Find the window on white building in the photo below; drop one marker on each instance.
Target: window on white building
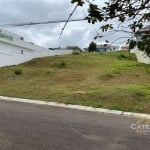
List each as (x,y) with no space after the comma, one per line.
(21,51)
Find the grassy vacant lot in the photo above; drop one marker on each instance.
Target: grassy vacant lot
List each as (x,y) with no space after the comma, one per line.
(110,80)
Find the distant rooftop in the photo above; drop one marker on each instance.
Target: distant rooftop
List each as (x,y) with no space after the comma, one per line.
(9,33)
(103,43)
(145,30)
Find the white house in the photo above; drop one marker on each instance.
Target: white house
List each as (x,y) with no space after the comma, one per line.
(141,55)
(106,47)
(14,50)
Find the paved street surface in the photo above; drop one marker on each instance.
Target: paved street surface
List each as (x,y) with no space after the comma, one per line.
(35,127)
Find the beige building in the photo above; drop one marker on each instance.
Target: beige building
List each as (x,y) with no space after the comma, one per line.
(125,48)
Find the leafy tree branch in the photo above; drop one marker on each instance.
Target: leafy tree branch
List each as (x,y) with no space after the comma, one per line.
(135,12)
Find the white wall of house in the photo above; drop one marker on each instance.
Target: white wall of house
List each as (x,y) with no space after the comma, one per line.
(142,57)
(107,47)
(15,51)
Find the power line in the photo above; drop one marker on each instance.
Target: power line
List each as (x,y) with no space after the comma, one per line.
(68,20)
(48,22)
(42,22)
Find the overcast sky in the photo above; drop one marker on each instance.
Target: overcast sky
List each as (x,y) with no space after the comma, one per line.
(76,33)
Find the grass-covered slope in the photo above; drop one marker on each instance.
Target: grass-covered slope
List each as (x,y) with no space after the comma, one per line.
(110,80)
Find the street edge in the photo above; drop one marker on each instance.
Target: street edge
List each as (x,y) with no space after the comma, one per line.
(78,107)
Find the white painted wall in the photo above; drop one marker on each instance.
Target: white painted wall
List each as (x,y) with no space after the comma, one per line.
(142,57)
(16,51)
(12,55)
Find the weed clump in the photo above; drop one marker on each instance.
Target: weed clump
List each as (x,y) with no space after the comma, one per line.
(60,65)
(75,53)
(125,56)
(122,56)
(18,71)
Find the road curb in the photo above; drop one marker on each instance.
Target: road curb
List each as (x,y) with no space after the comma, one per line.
(84,108)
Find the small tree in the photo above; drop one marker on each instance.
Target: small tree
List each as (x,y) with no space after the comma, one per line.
(92,47)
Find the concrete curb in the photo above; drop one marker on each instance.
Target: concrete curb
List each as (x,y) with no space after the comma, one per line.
(84,108)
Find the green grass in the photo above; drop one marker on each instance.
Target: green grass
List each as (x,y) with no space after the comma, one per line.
(107,80)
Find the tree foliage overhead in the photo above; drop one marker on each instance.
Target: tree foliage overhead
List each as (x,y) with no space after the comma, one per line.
(122,10)
(135,12)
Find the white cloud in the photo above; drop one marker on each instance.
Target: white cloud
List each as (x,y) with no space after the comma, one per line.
(76,33)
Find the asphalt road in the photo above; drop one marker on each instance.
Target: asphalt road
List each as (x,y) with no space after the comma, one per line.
(35,127)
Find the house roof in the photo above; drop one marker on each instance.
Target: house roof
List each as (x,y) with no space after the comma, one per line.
(145,30)
(3,31)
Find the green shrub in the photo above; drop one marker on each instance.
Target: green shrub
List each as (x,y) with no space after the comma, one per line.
(60,64)
(121,56)
(75,53)
(18,71)
(107,76)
